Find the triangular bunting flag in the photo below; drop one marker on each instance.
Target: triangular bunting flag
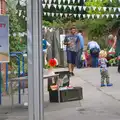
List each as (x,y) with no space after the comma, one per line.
(64,1)
(99,8)
(53,14)
(114,9)
(110,8)
(74,7)
(48,14)
(107,15)
(59,6)
(50,1)
(88,16)
(94,8)
(45,1)
(49,5)
(112,15)
(84,16)
(67,1)
(43,5)
(80,8)
(65,14)
(111,1)
(93,16)
(117,15)
(70,6)
(103,15)
(59,1)
(57,14)
(65,6)
(61,14)
(55,6)
(74,15)
(119,9)
(98,16)
(73,1)
(104,8)
(79,15)
(84,8)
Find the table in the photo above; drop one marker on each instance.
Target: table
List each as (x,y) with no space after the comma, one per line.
(19,79)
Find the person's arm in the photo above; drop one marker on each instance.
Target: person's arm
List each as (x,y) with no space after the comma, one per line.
(115,40)
(48,44)
(66,42)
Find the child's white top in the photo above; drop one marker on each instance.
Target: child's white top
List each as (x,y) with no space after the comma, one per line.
(103,63)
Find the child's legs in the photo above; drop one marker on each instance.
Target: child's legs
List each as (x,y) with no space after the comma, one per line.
(102,77)
(107,77)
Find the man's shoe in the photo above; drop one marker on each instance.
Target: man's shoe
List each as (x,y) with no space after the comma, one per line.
(102,85)
(72,74)
(109,85)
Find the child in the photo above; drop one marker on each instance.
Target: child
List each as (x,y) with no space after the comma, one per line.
(45,47)
(84,61)
(104,70)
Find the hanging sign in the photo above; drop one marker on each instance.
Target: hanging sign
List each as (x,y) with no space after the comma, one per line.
(4,39)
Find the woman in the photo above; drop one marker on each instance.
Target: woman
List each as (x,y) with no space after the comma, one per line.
(118,49)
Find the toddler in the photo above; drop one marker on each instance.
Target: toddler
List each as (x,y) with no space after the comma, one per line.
(104,70)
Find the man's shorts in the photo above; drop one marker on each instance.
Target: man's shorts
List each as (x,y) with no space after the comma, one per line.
(71,57)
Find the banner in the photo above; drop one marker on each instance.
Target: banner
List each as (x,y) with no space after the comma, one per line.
(4,39)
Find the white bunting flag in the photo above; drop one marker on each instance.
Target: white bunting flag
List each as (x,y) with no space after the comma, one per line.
(104,8)
(84,16)
(64,1)
(111,1)
(79,15)
(103,15)
(20,12)
(117,15)
(80,8)
(53,14)
(74,7)
(88,16)
(119,9)
(75,15)
(59,6)
(98,16)
(93,16)
(73,1)
(110,8)
(84,8)
(49,5)
(59,1)
(48,14)
(99,8)
(45,1)
(57,14)
(66,14)
(55,6)
(65,6)
(112,15)
(61,14)
(43,5)
(70,6)
(107,15)
(50,1)
(94,8)
(67,1)
(114,9)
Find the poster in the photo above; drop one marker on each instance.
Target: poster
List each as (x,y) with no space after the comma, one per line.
(62,38)
(4,39)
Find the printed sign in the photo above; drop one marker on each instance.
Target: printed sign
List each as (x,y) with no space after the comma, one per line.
(4,39)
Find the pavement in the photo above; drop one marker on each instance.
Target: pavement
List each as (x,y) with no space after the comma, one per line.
(98,103)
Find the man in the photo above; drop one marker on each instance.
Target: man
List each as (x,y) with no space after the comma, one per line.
(72,43)
(80,51)
(94,52)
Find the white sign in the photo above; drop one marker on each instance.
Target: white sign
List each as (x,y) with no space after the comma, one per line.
(62,38)
(4,39)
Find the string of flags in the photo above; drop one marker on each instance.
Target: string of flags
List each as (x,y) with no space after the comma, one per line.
(74,7)
(73,1)
(81,15)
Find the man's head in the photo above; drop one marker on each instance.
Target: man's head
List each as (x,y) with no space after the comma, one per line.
(73,30)
(80,31)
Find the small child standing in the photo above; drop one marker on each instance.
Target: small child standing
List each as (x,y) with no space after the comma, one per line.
(104,70)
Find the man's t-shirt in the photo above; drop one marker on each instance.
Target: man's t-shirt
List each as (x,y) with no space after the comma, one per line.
(74,46)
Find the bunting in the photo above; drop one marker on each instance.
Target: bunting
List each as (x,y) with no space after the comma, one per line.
(72,1)
(89,16)
(80,8)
